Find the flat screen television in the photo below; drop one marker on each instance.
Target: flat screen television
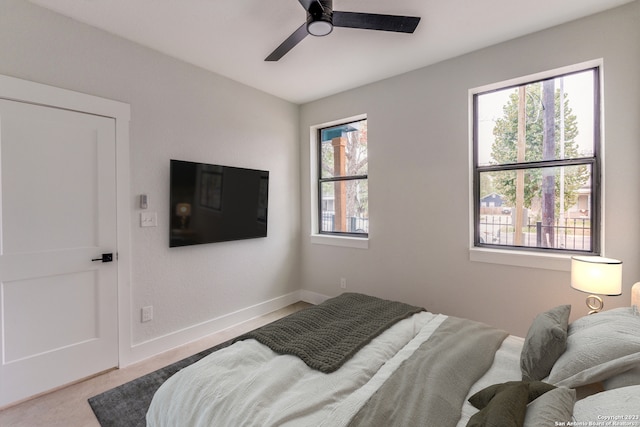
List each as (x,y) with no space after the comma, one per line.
(214,203)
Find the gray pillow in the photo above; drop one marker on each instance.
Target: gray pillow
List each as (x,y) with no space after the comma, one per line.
(506,409)
(535,389)
(545,342)
(599,347)
(505,404)
(552,408)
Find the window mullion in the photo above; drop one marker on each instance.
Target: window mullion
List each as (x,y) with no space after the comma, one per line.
(343,178)
(537,165)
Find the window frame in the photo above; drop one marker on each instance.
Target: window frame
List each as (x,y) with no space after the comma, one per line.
(314,237)
(320,180)
(539,256)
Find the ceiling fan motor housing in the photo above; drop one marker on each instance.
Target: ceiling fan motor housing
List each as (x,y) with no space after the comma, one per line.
(320,18)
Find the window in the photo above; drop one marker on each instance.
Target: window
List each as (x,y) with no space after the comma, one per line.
(536,165)
(343,196)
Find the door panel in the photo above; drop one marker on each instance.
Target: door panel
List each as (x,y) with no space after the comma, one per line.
(41,188)
(30,304)
(58,308)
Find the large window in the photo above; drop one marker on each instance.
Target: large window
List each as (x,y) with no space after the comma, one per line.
(343,195)
(536,165)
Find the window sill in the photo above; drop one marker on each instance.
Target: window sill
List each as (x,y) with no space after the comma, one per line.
(343,241)
(558,262)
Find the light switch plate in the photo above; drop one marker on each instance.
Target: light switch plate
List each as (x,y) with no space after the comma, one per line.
(148,219)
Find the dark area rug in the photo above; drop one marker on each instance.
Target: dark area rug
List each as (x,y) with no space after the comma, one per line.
(126,405)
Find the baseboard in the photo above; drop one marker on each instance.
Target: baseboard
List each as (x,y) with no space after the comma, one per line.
(147,349)
(312,297)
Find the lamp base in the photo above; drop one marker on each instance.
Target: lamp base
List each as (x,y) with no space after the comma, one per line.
(595,303)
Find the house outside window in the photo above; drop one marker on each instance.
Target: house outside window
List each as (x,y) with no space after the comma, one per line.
(343,195)
(536,165)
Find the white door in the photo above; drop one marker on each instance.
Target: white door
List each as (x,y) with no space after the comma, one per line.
(58,308)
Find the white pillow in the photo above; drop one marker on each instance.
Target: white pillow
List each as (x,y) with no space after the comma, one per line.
(599,346)
(601,407)
(627,378)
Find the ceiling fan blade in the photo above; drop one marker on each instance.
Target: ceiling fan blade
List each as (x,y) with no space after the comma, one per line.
(289,43)
(307,4)
(374,21)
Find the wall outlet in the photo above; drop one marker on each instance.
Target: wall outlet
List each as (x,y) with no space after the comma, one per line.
(147,313)
(343,283)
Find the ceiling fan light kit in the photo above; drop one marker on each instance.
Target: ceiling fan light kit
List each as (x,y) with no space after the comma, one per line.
(321,19)
(319,28)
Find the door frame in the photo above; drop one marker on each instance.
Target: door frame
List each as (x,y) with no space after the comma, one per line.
(15,89)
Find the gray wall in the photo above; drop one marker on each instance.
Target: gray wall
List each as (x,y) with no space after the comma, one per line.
(177,111)
(419,178)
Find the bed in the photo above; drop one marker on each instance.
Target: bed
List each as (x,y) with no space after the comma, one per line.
(357,360)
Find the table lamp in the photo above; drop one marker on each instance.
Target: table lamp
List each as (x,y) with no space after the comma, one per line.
(596,276)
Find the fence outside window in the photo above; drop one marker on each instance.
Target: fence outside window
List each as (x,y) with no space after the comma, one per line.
(354,224)
(569,234)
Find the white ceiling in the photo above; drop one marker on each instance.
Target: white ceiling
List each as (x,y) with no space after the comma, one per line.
(232,37)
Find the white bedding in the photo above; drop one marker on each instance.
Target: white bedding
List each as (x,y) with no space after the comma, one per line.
(247,384)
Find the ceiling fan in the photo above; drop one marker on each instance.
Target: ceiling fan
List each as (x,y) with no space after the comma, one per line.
(321,18)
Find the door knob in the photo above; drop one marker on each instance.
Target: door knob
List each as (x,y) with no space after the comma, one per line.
(104,258)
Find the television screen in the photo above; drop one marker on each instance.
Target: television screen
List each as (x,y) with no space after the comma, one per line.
(214,203)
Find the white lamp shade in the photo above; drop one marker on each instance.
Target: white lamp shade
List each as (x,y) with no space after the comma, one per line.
(596,275)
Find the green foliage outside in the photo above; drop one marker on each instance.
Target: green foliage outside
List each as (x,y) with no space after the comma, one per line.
(504,150)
